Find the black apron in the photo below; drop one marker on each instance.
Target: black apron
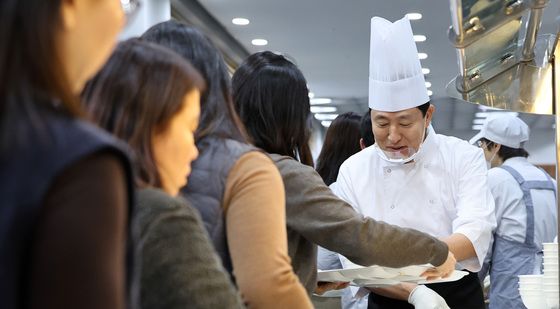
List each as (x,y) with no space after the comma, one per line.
(462,294)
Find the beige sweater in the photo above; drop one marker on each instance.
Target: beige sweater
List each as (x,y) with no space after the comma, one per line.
(254,206)
(315,216)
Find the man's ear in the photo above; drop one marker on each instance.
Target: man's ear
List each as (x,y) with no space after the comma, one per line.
(362,144)
(430,113)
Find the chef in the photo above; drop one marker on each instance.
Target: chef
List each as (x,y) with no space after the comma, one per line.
(416,178)
(525,199)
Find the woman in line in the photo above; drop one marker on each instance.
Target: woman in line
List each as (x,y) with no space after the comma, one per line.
(149,97)
(270,95)
(65,185)
(341,141)
(236,188)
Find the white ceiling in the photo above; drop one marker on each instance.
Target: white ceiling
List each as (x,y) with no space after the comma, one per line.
(329,41)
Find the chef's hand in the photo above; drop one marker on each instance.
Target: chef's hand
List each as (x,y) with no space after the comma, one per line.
(323,287)
(442,271)
(425,298)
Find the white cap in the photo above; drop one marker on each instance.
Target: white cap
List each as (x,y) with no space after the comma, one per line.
(506,130)
(396,81)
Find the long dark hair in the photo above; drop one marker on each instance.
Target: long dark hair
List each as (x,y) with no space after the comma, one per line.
(217,115)
(32,73)
(271,96)
(136,93)
(341,141)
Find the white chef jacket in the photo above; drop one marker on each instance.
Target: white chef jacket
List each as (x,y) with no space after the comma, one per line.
(511,214)
(442,192)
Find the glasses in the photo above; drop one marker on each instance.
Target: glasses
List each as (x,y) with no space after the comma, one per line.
(130,8)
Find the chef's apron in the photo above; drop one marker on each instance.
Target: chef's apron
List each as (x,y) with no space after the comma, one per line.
(462,294)
(512,258)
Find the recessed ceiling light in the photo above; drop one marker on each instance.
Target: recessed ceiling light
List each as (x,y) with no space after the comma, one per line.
(320,101)
(479,121)
(477,127)
(240,21)
(326,123)
(414,16)
(428,84)
(419,38)
(422,56)
(311,95)
(259,42)
(325,116)
(430,92)
(425,71)
(323,109)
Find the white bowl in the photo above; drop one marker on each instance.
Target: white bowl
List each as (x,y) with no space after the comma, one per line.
(552,300)
(530,278)
(533,301)
(550,286)
(550,280)
(531,288)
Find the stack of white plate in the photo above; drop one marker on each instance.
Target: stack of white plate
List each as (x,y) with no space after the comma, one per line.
(531,291)
(550,277)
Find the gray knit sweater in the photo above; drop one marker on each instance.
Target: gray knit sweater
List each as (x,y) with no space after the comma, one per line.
(315,216)
(180,268)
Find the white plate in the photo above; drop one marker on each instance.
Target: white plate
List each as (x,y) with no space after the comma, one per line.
(370,272)
(331,293)
(456,275)
(374,282)
(332,276)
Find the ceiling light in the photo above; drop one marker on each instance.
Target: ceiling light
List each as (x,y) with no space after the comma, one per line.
(430,92)
(419,38)
(428,84)
(479,121)
(259,42)
(325,116)
(311,95)
(326,123)
(477,127)
(422,56)
(323,109)
(320,101)
(414,16)
(240,21)
(425,71)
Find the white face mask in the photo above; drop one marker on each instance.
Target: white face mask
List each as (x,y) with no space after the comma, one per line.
(403,156)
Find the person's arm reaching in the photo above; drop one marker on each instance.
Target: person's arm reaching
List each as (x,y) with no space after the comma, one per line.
(256,232)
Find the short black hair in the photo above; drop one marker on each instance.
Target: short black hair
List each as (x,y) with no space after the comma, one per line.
(366,131)
(506,152)
(424,108)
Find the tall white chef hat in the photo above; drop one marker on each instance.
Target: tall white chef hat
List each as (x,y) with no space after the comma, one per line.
(507,130)
(396,81)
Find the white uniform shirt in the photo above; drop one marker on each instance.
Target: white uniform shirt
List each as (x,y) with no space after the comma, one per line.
(511,213)
(444,191)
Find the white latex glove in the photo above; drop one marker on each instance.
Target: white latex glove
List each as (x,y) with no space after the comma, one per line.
(425,298)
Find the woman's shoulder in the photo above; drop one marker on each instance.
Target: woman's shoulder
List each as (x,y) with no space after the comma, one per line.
(155,205)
